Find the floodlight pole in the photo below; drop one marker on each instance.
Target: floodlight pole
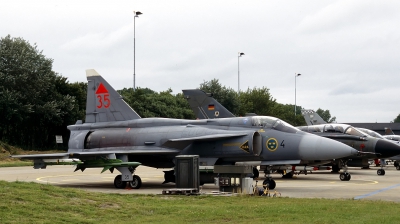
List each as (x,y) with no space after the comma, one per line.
(136,14)
(239,55)
(295,77)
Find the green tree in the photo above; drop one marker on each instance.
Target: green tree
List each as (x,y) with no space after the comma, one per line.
(256,100)
(286,113)
(397,119)
(148,103)
(32,105)
(326,115)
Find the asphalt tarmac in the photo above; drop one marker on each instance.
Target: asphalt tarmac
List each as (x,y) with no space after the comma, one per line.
(365,184)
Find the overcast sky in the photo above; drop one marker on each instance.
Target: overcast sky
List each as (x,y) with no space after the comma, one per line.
(347,52)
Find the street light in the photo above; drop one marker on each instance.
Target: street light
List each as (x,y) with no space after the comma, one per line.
(295,77)
(240,55)
(136,13)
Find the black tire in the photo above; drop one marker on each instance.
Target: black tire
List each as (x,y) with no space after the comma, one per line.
(380,172)
(269,183)
(396,164)
(272,184)
(397,167)
(136,183)
(118,183)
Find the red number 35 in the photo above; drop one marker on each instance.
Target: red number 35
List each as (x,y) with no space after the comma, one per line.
(104,100)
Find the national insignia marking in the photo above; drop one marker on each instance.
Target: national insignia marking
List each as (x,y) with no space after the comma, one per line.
(272,144)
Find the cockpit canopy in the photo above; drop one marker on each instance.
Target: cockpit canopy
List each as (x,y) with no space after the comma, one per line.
(333,128)
(273,123)
(371,133)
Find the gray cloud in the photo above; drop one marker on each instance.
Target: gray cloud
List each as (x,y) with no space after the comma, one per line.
(346,51)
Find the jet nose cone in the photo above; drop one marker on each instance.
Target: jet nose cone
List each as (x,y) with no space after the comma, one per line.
(314,147)
(386,148)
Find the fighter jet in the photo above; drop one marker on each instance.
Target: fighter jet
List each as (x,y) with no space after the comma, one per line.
(206,107)
(389,134)
(369,141)
(115,136)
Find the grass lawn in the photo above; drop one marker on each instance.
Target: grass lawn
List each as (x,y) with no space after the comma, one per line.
(23,202)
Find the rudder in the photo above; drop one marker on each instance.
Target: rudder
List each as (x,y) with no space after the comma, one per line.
(204,105)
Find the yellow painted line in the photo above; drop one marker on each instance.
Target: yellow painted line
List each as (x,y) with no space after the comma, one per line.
(373,182)
(40,179)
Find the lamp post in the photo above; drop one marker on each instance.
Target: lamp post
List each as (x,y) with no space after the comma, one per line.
(136,13)
(295,77)
(240,55)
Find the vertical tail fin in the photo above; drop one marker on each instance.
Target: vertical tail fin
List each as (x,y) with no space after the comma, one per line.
(103,103)
(312,118)
(204,105)
(389,131)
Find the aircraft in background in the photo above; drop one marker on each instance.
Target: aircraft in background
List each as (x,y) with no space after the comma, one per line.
(385,152)
(205,106)
(389,134)
(115,136)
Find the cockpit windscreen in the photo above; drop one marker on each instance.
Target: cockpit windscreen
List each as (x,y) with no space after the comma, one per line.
(273,123)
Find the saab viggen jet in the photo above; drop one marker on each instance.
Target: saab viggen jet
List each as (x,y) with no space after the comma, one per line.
(206,107)
(115,136)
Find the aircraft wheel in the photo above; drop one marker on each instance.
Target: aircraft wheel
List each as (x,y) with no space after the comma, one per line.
(118,183)
(397,167)
(136,183)
(269,183)
(343,177)
(256,173)
(396,164)
(380,172)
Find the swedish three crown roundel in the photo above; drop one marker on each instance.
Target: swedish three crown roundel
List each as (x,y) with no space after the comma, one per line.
(272,144)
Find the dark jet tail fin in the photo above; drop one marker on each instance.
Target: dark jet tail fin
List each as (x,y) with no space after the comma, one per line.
(389,131)
(103,103)
(312,118)
(204,105)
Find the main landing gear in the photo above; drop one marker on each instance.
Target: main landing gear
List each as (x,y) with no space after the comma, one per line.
(345,176)
(121,183)
(268,182)
(381,171)
(136,183)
